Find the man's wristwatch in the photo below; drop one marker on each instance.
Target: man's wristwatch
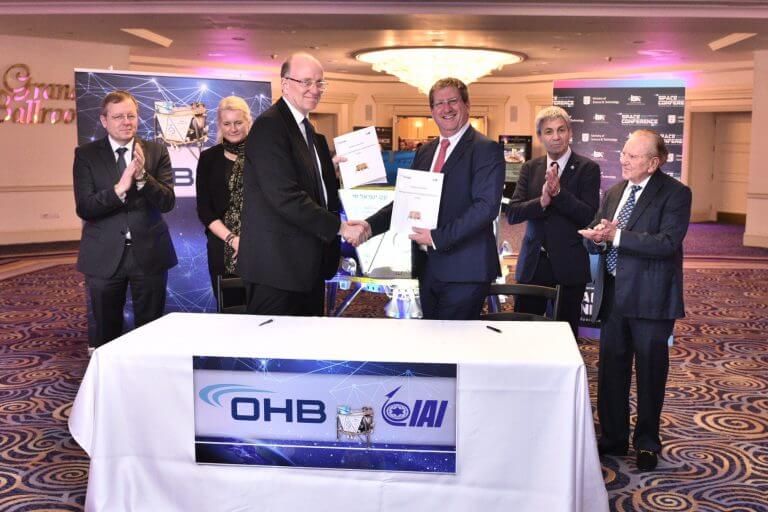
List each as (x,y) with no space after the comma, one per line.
(143,176)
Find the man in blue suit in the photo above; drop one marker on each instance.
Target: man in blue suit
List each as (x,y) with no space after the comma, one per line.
(455,262)
(638,233)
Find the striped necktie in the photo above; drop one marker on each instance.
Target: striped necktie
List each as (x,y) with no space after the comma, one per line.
(623,218)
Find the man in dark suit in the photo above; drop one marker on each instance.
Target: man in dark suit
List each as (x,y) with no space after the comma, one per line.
(122,186)
(557,194)
(638,233)
(289,243)
(455,262)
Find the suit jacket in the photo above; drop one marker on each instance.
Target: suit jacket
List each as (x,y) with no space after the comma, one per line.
(472,186)
(649,270)
(555,228)
(288,240)
(107,218)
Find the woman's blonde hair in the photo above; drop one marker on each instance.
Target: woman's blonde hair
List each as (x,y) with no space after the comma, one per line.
(232,103)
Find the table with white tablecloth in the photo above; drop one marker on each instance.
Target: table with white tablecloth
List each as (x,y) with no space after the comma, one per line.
(525,437)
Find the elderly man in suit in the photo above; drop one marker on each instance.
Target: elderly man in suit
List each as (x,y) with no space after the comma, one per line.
(638,233)
(122,186)
(289,242)
(557,194)
(455,262)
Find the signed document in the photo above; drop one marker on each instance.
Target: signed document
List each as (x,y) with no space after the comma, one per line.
(417,200)
(386,256)
(364,163)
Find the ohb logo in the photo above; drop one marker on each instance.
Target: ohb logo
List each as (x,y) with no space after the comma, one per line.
(422,413)
(245,408)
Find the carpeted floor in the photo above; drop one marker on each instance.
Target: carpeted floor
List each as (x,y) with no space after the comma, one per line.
(715,425)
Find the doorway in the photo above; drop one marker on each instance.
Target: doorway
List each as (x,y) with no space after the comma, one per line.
(719,165)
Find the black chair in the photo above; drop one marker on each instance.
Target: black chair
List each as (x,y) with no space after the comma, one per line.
(552,294)
(230,295)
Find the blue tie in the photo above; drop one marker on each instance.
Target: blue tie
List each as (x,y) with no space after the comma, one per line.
(623,218)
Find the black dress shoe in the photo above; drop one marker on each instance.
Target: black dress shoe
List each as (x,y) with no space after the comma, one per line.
(647,460)
(609,450)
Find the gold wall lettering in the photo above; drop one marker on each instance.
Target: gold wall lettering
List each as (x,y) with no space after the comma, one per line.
(22,99)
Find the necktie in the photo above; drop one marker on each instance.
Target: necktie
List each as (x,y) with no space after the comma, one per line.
(555,168)
(441,155)
(121,165)
(623,218)
(311,145)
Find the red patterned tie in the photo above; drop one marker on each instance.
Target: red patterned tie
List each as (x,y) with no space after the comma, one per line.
(441,155)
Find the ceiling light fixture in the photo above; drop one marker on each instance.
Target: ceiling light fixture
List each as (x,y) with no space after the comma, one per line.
(148,35)
(736,37)
(422,66)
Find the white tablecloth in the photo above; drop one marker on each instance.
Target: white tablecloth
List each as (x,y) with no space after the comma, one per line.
(526,441)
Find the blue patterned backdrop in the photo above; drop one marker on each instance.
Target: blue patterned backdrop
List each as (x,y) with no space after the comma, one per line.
(189,286)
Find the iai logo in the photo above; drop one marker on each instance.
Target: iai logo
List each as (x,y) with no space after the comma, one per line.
(599,118)
(584,137)
(671,119)
(420,413)
(587,100)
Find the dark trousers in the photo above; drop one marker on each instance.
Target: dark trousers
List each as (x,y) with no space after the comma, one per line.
(623,339)
(262,299)
(571,296)
(108,296)
(451,301)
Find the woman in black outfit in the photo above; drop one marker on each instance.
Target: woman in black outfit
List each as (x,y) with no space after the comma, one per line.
(220,187)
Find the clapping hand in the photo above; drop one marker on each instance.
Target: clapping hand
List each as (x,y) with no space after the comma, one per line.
(137,162)
(552,181)
(603,232)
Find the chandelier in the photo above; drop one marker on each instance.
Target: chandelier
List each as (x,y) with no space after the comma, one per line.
(422,66)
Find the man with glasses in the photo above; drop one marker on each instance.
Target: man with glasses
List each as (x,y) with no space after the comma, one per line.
(638,233)
(122,186)
(289,243)
(455,262)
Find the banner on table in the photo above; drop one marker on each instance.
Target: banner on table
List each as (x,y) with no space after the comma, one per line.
(325,414)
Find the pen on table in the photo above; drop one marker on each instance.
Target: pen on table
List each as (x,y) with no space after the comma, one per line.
(494,329)
(265,322)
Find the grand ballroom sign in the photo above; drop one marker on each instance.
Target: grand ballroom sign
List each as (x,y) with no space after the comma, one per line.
(25,101)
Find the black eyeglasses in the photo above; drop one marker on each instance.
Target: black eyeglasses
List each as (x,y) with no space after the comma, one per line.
(308,83)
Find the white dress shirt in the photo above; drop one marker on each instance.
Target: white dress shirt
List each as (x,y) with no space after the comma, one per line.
(128,157)
(624,196)
(454,139)
(561,162)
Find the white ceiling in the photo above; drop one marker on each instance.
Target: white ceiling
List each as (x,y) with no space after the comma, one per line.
(559,38)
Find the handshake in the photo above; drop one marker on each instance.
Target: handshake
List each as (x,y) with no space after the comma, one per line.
(355,232)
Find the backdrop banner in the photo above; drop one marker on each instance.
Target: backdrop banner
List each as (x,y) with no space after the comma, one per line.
(180,112)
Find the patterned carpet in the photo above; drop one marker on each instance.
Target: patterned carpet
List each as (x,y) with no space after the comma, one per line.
(715,424)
